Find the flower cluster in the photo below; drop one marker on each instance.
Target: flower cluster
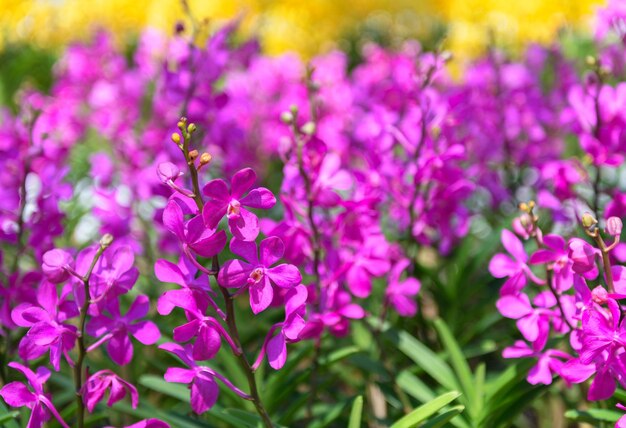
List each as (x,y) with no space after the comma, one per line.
(366,173)
(79,296)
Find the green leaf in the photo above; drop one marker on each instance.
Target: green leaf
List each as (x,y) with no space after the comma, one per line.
(423,412)
(479,390)
(413,386)
(9,416)
(461,367)
(594,416)
(356,413)
(445,417)
(157,383)
(338,355)
(326,414)
(423,357)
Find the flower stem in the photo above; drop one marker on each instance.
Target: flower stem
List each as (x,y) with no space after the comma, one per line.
(82,349)
(231,321)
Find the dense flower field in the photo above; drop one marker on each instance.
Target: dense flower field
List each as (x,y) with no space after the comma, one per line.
(197,234)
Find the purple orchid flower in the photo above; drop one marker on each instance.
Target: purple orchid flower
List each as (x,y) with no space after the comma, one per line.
(290,329)
(16,394)
(193,234)
(184,274)
(168,173)
(207,330)
(243,224)
(370,261)
(337,311)
(204,388)
(515,269)
(116,329)
(56,265)
(98,383)
(401,293)
(18,289)
(148,423)
(549,362)
(112,276)
(555,254)
(256,274)
(602,332)
(533,323)
(583,257)
(48,331)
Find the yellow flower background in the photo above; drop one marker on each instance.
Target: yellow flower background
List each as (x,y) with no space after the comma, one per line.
(308,27)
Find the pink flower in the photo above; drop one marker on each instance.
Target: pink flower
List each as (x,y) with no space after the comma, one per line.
(290,329)
(256,274)
(99,382)
(583,257)
(549,362)
(54,265)
(116,329)
(401,294)
(168,173)
(114,274)
(243,224)
(533,323)
(207,330)
(48,331)
(515,269)
(555,254)
(193,234)
(184,274)
(337,311)
(371,260)
(17,394)
(204,389)
(602,332)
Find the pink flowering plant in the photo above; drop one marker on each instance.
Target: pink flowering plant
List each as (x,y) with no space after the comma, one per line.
(196,234)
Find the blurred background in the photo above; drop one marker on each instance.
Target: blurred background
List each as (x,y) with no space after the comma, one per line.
(33,31)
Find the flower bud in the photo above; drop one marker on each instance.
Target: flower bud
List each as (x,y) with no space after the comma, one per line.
(582,255)
(176,137)
(588,220)
(614,226)
(54,262)
(106,240)
(167,171)
(308,128)
(193,155)
(286,117)
(192,128)
(205,158)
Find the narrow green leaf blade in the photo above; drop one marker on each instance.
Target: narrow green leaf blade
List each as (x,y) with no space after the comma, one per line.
(444,418)
(423,412)
(594,416)
(426,359)
(461,367)
(356,413)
